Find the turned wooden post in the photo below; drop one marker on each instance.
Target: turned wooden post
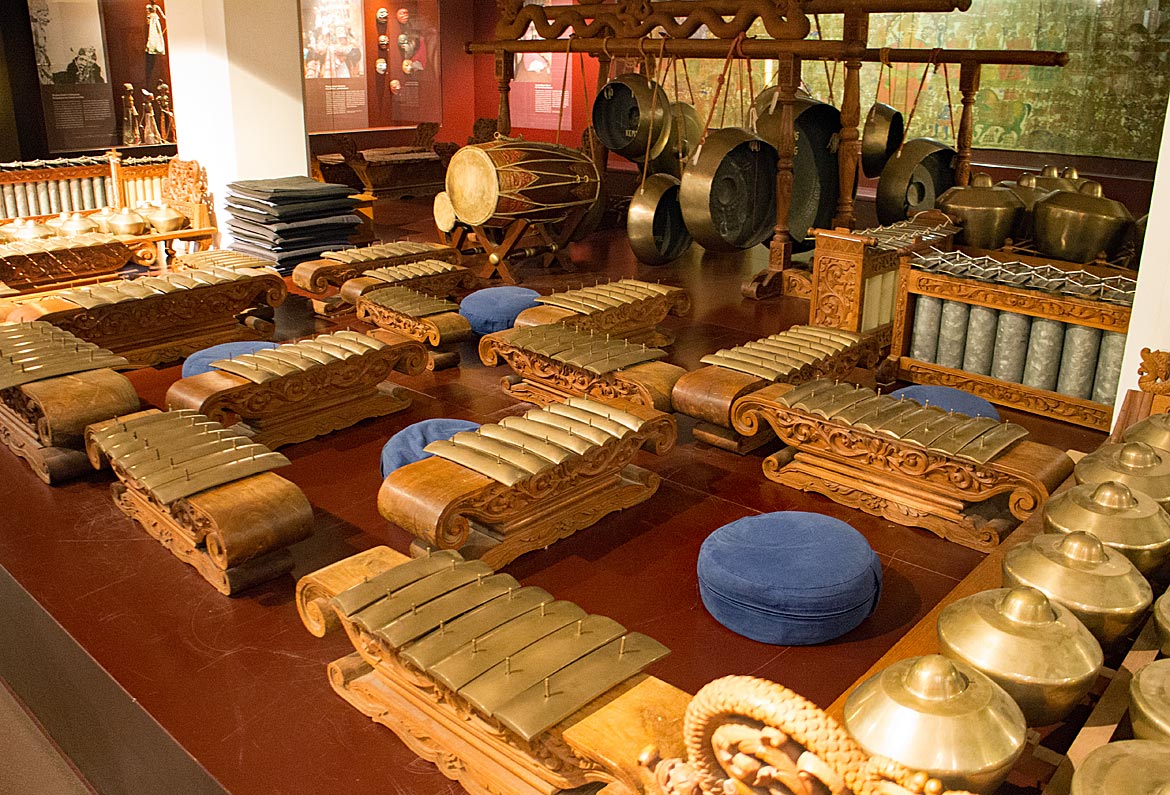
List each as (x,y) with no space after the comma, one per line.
(505,71)
(788,73)
(855,31)
(969,73)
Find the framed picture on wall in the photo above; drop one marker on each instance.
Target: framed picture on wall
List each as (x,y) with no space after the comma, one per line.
(370,64)
(76,93)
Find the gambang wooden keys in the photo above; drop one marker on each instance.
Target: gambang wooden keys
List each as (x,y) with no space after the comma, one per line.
(801,353)
(52,385)
(501,681)
(966,479)
(433,321)
(627,308)
(335,268)
(510,488)
(304,389)
(555,362)
(205,492)
(158,319)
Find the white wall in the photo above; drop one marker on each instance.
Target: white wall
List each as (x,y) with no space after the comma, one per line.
(236,83)
(1149,326)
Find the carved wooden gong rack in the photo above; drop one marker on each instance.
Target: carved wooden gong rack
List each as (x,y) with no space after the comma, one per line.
(622,28)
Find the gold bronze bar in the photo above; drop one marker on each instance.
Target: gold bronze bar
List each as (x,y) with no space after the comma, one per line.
(437,612)
(631,421)
(768,373)
(956,437)
(486,651)
(589,433)
(411,597)
(550,434)
(485,464)
(536,445)
(527,667)
(990,444)
(376,588)
(614,429)
(427,652)
(509,453)
(875,421)
(542,706)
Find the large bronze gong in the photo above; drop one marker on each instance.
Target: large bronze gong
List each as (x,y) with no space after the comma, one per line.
(728,195)
(685,131)
(914,178)
(632,117)
(815,185)
(655,223)
(497,182)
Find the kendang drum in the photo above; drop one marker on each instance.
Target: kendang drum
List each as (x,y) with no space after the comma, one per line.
(500,181)
(728,193)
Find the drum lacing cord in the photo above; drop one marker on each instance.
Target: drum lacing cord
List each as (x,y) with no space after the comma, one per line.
(735,45)
(564,85)
(655,87)
(830,77)
(931,61)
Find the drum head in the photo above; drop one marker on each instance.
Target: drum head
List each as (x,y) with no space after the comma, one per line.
(444,213)
(472,185)
(658,234)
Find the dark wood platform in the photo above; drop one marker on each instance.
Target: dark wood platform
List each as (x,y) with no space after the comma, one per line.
(153,682)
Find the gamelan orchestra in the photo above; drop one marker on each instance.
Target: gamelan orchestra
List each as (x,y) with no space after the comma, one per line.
(916,373)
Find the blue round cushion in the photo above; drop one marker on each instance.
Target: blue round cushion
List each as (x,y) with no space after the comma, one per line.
(948,399)
(790,578)
(200,361)
(496,308)
(406,446)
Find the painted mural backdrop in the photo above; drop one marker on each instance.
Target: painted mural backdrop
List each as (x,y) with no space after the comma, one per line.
(1109,101)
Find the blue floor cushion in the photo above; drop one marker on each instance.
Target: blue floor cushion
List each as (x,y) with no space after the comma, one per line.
(789,578)
(406,446)
(948,399)
(496,308)
(200,361)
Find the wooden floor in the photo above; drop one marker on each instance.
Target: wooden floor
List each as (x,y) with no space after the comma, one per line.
(241,686)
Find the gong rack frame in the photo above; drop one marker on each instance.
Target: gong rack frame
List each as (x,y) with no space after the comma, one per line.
(623,28)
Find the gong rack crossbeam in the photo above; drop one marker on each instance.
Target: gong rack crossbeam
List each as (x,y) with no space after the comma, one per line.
(608,30)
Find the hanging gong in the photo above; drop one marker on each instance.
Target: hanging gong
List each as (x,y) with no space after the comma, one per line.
(882,135)
(632,117)
(654,222)
(728,195)
(913,179)
(685,131)
(815,185)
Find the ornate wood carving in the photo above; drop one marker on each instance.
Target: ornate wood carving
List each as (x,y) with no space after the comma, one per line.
(750,735)
(1154,372)
(319,275)
(1005,393)
(543,380)
(40,270)
(445,504)
(1095,314)
(309,403)
(43,422)
(906,483)
(641,18)
(169,326)
(636,321)
(442,332)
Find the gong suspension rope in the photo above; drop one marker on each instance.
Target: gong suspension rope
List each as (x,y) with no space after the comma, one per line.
(950,103)
(564,84)
(655,87)
(830,76)
(931,61)
(718,90)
